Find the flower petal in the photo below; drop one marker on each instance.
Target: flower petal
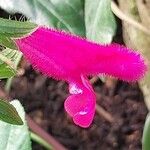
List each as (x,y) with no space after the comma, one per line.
(84,120)
(81,109)
(64,56)
(81,104)
(70,58)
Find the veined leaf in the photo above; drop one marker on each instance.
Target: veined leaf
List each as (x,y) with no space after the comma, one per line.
(99,21)
(15,137)
(10,54)
(12,28)
(61,14)
(7,42)
(5,70)
(9,114)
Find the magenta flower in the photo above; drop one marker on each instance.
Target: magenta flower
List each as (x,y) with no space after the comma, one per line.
(67,57)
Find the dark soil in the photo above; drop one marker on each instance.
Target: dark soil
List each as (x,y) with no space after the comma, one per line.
(43,100)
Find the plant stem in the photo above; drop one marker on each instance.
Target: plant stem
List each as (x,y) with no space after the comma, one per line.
(146,134)
(40,140)
(47,137)
(102,112)
(128,19)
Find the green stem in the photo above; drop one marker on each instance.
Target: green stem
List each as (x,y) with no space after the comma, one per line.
(9,81)
(146,134)
(41,141)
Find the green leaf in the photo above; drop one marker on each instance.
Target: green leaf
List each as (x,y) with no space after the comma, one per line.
(14,29)
(9,114)
(99,21)
(146,134)
(5,70)
(10,54)
(7,41)
(16,62)
(15,137)
(62,14)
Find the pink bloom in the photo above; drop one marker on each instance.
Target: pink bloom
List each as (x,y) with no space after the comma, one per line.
(67,57)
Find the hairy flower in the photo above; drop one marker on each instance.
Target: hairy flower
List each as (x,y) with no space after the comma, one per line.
(67,57)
